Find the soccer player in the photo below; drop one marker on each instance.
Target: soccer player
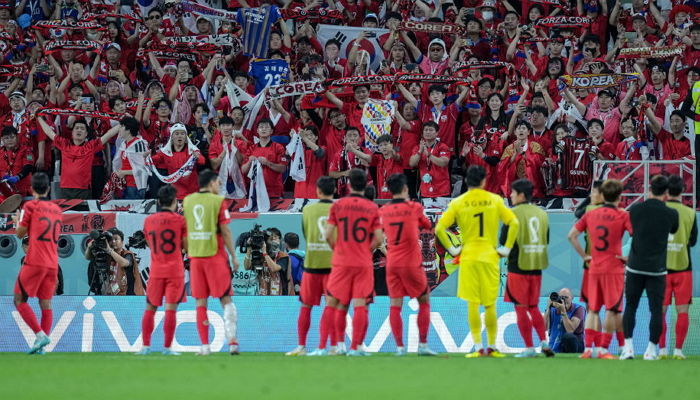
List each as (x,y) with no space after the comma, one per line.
(402,220)
(477,213)
(317,267)
(41,220)
(679,281)
(605,227)
(165,233)
(208,238)
(525,264)
(353,231)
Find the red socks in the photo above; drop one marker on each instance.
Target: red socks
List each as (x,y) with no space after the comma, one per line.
(605,339)
(620,338)
(360,321)
(591,337)
(340,323)
(423,322)
(396,324)
(537,322)
(147,326)
(169,327)
(681,329)
(327,328)
(203,325)
(303,324)
(524,324)
(46,321)
(28,316)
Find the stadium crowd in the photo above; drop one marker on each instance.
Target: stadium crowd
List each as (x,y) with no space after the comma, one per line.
(115,99)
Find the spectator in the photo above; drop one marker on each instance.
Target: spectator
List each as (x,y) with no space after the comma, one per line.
(564,320)
(316,163)
(296,258)
(180,157)
(432,157)
(272,157)
(387,162)
(522,160)
(16,163)
(77,156)
(352,155)
(129,165)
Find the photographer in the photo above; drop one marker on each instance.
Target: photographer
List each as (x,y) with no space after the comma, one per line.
(274,275)
(113,270)
(564,321)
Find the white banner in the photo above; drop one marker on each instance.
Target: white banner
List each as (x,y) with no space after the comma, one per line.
(346,36)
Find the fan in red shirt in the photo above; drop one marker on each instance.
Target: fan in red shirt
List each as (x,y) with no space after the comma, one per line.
(388,162)
(605,227)
(402,221)
(271,155)
(432,158)
(156,128)
(166,232)
(16,162)
(316,160)
(333,131)
(180,154)
(77,156)
(41,220)
(353,231)
(674,144)
(353,155)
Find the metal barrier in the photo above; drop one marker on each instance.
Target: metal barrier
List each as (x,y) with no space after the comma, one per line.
(636,175)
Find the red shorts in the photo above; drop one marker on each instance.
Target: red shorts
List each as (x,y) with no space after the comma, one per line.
(406,281)
(584,286)
(523,289)
(347,283)
(172,288)
(679,285)
(39,282)
(313,287)
(605,290)
(210,277)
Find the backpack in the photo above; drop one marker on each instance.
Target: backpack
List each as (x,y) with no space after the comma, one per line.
(297,263)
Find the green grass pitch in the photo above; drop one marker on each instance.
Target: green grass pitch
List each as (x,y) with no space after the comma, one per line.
(102,376)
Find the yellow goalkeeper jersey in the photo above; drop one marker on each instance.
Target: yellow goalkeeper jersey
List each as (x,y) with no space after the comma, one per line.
(478,213)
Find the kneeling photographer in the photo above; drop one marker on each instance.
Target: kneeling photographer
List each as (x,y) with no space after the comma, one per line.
(565,320)
(113,270)
(264,255)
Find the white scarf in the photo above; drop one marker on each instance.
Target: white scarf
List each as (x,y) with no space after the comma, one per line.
(230,169)
(261,201)
(135,155)
(184,170)
(296,149)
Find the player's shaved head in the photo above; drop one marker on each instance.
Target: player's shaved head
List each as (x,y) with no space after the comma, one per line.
(358,180)
(611,190)
(675,185)
(326,185)
(475,175)
(396,183)
(40,183)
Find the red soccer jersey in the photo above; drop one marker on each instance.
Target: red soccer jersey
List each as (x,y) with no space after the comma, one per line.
(42,219)
(446,118)
(434,180)
(356,219)
(187,184)
(164,232)
(605,227)
(76,162)
(672,148)
(402,221)
(385,168)
(315,168)
(274,153)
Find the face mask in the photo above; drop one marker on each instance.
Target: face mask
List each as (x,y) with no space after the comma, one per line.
(488,15)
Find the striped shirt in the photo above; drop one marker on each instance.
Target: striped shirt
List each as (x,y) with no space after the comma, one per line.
(257,23)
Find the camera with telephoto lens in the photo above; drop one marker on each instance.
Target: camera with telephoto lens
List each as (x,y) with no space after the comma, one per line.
(137,241)
(256,240)
(555,298)
(98,270)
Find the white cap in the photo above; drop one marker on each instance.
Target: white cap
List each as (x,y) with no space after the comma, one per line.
(178,127)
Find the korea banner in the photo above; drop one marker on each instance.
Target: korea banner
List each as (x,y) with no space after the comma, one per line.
(346,36)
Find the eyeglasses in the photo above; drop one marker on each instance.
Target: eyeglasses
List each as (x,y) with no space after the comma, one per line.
(152,17)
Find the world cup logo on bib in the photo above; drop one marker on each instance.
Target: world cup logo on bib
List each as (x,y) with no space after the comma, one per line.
(198,213)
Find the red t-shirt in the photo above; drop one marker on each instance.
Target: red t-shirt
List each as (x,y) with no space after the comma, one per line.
(76,162)
(157,133)
(315,168)
(126,165)
(439,185)
(628,151)
(385,168)
(13,161)
(402,221)
(274,153)
(42,219)
(406,140)
(332,138)
(446,118)
(356,219)
(353,115)
(184,185)
(164,232)
(605,227)
(673,149)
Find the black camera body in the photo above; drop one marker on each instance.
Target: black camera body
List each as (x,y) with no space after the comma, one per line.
(98,270)
(555,298)
(256,240)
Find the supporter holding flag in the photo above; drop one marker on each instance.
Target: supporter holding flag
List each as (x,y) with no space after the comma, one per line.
(227,154)
(315,159)
(128,162)
(272,158)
